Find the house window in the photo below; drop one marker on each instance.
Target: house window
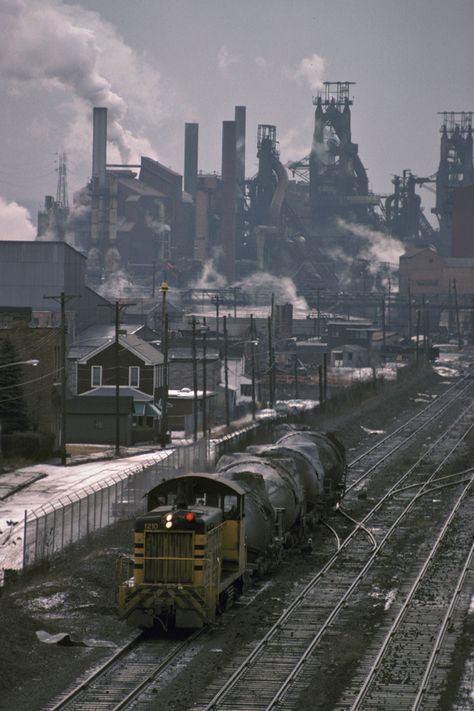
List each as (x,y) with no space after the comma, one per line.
(159,379)
(134,376)
(96,376)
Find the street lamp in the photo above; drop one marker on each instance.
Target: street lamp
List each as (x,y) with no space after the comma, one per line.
(32,361)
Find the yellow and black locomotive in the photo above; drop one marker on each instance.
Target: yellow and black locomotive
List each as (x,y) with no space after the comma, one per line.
(204,534)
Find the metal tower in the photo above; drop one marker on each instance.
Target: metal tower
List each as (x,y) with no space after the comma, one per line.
(62,200)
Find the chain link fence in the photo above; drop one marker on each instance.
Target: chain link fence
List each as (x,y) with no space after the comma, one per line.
(50,529)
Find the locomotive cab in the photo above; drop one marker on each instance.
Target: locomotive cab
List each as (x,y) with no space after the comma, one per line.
(190,556)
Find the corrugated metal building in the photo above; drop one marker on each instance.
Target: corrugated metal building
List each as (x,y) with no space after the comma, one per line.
(29,271)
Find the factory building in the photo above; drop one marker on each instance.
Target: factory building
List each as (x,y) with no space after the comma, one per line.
(32,271)
(425,272)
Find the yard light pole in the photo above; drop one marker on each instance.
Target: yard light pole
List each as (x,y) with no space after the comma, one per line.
(252,345)
(226,373)
(195,380)
(204,381)
(164,348)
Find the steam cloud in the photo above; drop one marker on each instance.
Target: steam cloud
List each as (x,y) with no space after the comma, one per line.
(225,59)
(210,278)
(15,222)
(260,286)
(64,48)
(310,70)
(380,248)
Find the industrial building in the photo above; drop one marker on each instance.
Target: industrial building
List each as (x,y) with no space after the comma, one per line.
(304,220)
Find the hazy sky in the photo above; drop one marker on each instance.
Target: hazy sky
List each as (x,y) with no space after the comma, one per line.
(160,63)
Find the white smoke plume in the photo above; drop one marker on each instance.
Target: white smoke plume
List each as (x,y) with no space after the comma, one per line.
(310,69)
(260,286)
(73,52)
(15,222)
(225,59)
(379,248)
(210,278)
(118,284)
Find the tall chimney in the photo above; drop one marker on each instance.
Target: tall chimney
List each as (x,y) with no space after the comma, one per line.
(191,131)
(229,173)
(99,147)
(240,121)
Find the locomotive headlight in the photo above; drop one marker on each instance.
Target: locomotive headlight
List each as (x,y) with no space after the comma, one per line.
(168,524)
(169,517)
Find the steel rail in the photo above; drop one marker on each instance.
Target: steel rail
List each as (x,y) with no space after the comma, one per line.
(404,441)
(442,632)
(246,664)
(397,622)
(97,673)
(449,391)
(298,668)
(69,700)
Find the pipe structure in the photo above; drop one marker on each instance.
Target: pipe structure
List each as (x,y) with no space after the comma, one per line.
(229,192)
(99,146)
(191,133)
(240,125)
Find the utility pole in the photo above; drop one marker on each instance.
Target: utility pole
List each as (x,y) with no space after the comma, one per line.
(153,284)
(384,335)
(118,308)
(164,349)
(252,345)
(216,301)
(195,380)
(271,393)
(325,376)
(456,307)
(318,306)
(204,382)
(226,374)
(418,318)
(472,320)
(62,299)
(389,303)
(321,386)
(409,311)
(296,375)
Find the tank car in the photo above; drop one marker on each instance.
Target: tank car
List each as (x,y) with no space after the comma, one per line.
(204,534)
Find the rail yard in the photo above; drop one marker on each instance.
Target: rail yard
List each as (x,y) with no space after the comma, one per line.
(383,587)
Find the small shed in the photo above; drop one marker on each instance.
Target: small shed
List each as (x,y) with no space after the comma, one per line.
(92,420)
(182,403)
(350,356)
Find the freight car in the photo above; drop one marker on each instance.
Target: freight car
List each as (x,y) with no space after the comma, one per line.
(203,535)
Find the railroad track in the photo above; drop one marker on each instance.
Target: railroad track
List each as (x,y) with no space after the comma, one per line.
(405,659)
(288,645)
(280,667)
(122,678)
(361,468)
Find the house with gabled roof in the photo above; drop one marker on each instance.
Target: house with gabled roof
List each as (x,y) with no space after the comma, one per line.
(139,367)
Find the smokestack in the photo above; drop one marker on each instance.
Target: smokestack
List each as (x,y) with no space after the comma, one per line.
(240,121)
(99,147)
(191,131)
(229,171)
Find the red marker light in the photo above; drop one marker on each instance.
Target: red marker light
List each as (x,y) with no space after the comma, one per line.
(189,516)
